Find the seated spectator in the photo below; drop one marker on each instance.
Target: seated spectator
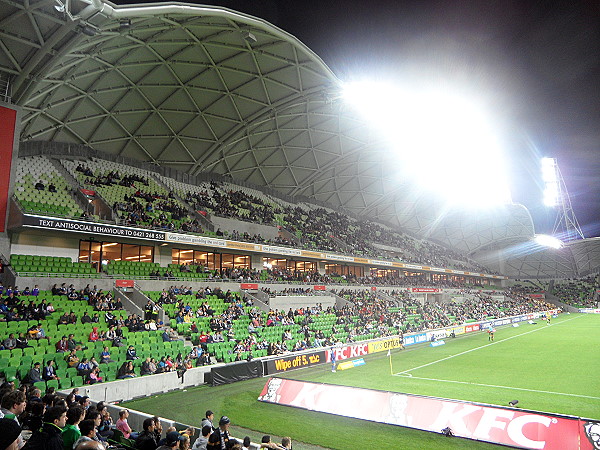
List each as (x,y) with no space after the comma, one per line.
(105,356)
(94,335)
(35,374)
(94,376)
(148,368)
(33,416)
(126,371)
(10,434)
(22,341)
(64,319)
(10,342)
(62,345)
(72,359)
(122,424)
(169,336)
(49,371)
(131,354)
(71,433)
(147,439)
(88,432)
(83,367)
(39,185)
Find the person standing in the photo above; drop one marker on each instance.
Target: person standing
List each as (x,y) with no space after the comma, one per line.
(202,441)
(332,357)
(208,420)
(218,440)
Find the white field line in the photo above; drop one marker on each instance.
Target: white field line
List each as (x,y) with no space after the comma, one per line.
(501,387)
(479,348)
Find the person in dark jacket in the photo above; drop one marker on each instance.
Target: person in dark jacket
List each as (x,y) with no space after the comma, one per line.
(147,438)
(49,437)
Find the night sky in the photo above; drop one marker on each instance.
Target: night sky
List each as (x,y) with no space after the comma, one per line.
(536,62)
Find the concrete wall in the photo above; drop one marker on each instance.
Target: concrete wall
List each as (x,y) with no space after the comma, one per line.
(36,242)
(286,302)
(130,388)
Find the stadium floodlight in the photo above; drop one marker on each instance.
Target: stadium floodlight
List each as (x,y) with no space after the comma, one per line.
(556,196)
(551,182)
(548,241)
(445,141)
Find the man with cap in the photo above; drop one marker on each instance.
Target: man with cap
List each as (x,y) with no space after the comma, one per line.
(35,374)
(218,440)
(10,432)
(172,441)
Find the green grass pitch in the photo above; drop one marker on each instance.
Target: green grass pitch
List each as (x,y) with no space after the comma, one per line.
(553,368)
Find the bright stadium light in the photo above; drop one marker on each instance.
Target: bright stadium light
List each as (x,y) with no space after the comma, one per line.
(548,241)
(551,182)
(445,140)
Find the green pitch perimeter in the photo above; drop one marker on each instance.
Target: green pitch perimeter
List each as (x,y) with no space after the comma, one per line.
(551,368)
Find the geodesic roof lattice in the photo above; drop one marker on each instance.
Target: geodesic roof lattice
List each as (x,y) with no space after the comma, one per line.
(202,88)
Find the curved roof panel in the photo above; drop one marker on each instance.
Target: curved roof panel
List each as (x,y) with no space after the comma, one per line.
(201,88)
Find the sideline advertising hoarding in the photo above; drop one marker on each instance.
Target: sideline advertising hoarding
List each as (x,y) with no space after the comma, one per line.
(495,424)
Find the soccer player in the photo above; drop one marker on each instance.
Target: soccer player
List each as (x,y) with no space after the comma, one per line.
(332,357)
(491,332)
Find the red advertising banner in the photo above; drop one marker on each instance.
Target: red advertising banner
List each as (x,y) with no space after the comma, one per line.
(505,426)
(124,283)
(88,192)
(349,351)
(425,290)
(373,288)
(537,296)
(249,286)
(8,119)
(319,288)
(471,327)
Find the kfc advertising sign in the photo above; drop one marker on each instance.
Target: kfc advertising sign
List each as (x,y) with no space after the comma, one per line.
(348,352)
(426,290)
(505,426)
(249,286)
(124,283)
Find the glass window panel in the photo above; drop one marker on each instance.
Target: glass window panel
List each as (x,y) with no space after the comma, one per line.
(131,252)
(111,251)
(146,253)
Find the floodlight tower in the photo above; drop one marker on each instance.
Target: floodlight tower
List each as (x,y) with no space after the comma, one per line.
(566,226)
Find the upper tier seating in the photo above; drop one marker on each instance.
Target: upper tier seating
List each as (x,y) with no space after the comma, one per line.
(52,193)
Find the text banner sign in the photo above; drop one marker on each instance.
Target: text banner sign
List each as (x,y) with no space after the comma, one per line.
(249,286)
(124,283)
(505,426)
(292,362)
(51,223)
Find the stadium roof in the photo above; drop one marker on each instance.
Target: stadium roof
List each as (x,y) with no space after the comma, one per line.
(207,89)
